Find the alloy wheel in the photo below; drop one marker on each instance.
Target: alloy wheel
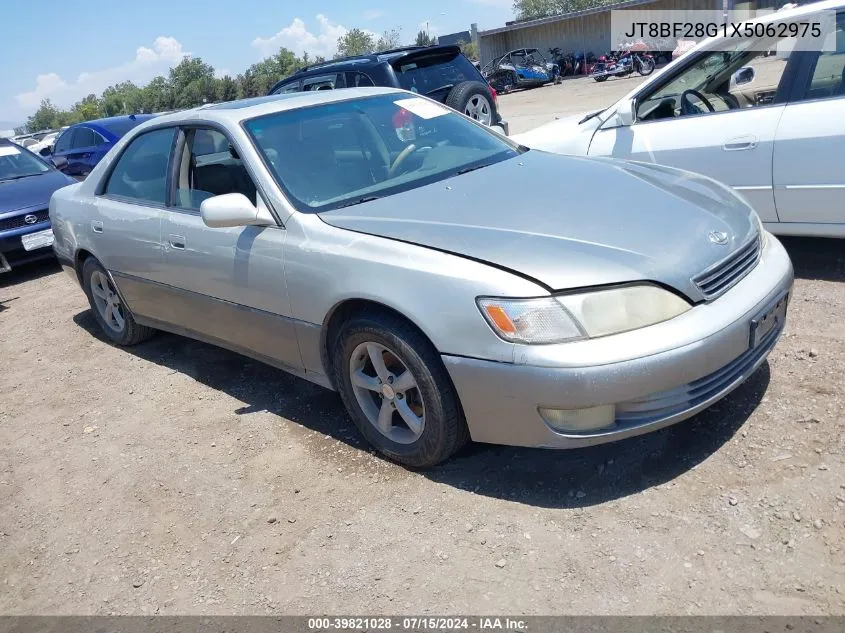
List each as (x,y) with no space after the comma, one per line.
(478,108)
(107,301)
(387,392)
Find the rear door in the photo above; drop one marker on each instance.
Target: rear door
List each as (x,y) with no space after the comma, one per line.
(434,72)
(83,151)
(809,154)
(126,230)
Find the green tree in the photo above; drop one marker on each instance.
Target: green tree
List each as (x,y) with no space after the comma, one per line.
(389,40)
(46,117)
(157,95)
(86,109)
(355,42)
(192,82)
(532,9)
(423,39)
(225,89)
(122,98)
(470,49)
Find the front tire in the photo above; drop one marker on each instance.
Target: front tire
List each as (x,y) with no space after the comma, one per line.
(112,315)
(397,391)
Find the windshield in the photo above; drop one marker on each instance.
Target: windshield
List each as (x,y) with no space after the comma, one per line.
(349,152)
(17,163)
(121,126)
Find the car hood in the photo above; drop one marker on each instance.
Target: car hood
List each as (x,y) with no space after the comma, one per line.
(31,192)
(556,136)
(568,222)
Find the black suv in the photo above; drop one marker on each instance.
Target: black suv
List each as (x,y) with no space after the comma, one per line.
(438,72)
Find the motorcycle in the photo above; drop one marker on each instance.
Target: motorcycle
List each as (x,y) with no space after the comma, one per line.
(622,66)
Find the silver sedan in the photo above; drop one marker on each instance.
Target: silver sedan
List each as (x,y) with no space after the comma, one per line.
(376,243)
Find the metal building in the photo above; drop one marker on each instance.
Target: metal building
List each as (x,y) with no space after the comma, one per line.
(587,31)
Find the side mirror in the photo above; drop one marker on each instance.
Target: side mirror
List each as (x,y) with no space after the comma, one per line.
(233,209)
(744,75)
(45,151)
(625,113)
(623,117)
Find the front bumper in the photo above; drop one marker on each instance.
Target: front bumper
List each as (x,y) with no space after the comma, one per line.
(12,252)
(655,376)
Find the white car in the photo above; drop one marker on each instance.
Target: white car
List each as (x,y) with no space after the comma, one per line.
(772,127)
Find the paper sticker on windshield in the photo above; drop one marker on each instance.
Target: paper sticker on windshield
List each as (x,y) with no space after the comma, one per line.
(423,108)
(8,150)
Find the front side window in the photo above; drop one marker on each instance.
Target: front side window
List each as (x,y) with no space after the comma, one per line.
(330,156)
(141,170)
(63,142)
(210,167)
(16,163)
(718,82)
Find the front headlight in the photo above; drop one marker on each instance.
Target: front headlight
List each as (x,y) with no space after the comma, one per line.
(580,315)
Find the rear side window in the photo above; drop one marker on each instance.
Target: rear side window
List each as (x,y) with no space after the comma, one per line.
(141,171)
(84,137)
(322,82)
(828,78)
(291,87)
(358,80)
(429,74)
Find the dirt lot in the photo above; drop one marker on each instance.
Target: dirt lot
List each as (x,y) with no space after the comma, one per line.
(178,478)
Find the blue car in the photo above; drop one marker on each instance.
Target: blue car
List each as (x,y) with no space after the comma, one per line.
(26,184)
(82,146)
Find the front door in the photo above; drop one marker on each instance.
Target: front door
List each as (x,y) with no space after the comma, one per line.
(227,284)
(700,119)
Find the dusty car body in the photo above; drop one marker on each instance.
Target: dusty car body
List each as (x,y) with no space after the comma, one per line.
(520,68)
(390,272)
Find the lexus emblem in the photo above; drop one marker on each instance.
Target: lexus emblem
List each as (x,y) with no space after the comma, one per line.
(718,237)
(30,219)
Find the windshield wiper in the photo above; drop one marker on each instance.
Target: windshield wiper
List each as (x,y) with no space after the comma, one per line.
(445,87)
(590,116)
(466,170)
(362,200)
(19,177)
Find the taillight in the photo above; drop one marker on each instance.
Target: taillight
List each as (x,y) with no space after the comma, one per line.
(494,94)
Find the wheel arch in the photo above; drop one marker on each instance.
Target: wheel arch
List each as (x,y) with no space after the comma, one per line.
(345,309)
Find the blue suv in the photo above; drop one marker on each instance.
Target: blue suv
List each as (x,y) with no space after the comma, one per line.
(82,146)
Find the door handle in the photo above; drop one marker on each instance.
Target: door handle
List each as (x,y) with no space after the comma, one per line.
(177,241)
(740,143)
(97,226)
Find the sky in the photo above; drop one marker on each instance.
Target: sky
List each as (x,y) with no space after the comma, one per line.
(65,51)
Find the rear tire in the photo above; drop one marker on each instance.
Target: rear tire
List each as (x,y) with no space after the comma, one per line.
(112,315)
(439,429)
(472,98)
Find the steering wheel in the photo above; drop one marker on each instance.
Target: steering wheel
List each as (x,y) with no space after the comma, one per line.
(410,149)
(689,108)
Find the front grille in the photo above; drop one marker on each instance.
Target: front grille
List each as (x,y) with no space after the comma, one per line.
(17,221)
(665,404)
(724,274)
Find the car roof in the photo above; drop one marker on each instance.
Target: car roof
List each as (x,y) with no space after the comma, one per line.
(374,58)
(237,111)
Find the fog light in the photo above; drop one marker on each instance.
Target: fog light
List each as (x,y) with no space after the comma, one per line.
(580,420)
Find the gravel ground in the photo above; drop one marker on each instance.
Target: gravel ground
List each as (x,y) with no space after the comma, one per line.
(177,478)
